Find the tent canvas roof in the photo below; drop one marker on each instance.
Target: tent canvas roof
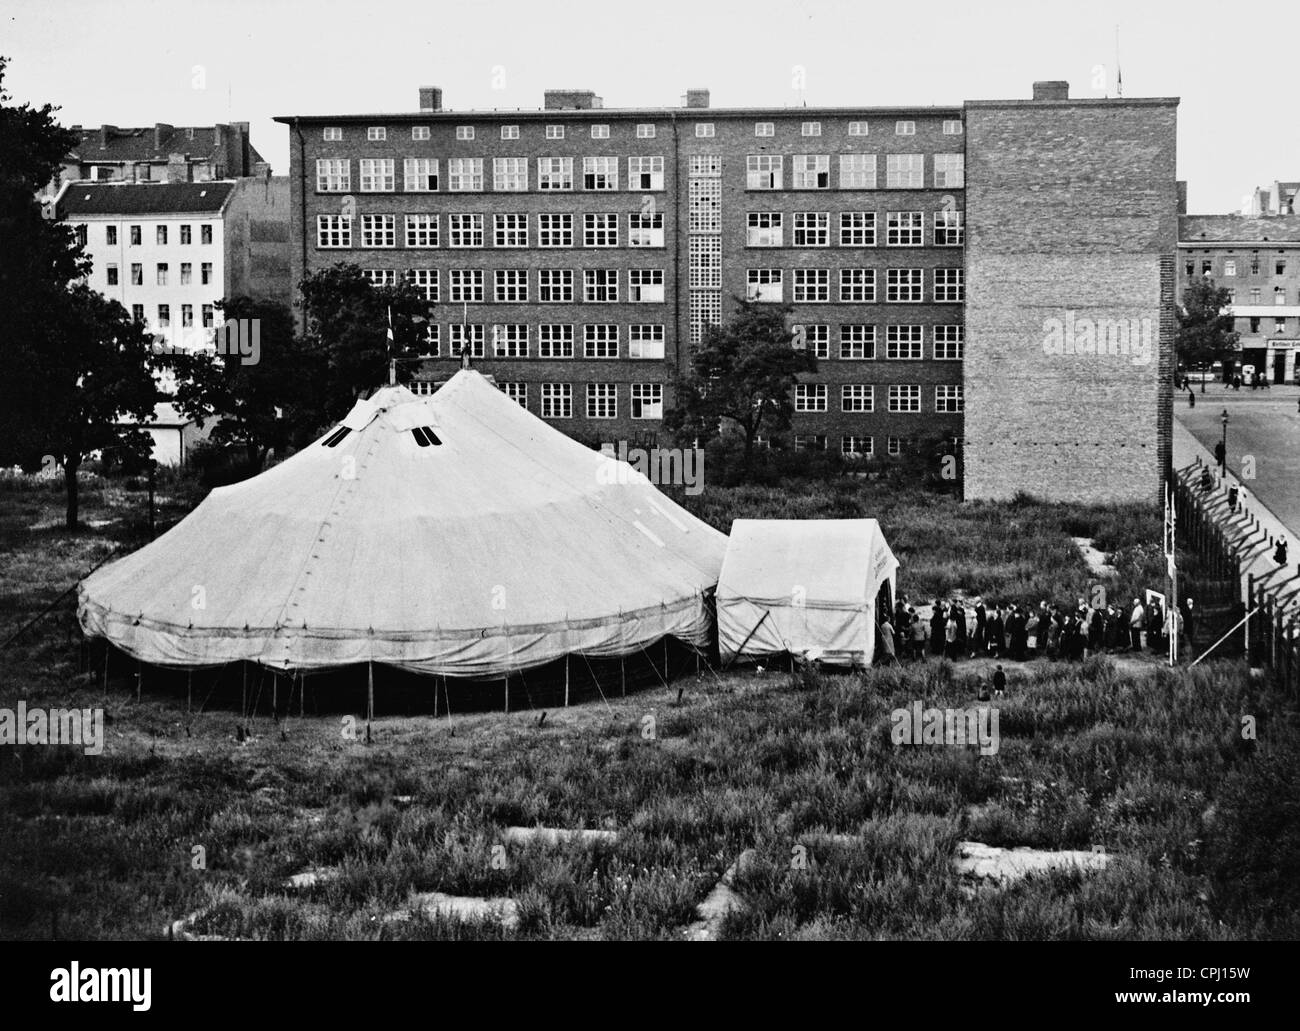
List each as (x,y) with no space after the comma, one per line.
(500,547)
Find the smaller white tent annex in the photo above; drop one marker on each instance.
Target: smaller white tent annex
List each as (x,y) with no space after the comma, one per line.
(803,586)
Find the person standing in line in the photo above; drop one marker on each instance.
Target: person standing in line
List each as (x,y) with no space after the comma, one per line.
(950,634)
(887,656)
(918,636)
(1137,618)
(979,644)
(938,627)
(1189,621)
(1031,634)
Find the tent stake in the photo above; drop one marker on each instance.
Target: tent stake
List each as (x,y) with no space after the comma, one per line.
(370,697)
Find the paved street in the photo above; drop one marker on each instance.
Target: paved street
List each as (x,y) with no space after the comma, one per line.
(1264,424)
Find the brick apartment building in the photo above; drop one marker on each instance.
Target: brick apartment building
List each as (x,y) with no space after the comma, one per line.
(579,251)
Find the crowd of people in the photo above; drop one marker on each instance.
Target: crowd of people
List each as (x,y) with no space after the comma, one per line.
(1025,632)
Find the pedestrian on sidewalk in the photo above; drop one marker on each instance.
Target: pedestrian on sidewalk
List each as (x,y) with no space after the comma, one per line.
(1279,552)
(1191,399)
(1232,499)
(1207,481)
(1220,455)
(999,683)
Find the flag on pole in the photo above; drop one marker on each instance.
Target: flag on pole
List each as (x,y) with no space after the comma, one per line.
(390,327)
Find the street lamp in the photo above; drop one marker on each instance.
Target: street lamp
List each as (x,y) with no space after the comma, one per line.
(1224,464)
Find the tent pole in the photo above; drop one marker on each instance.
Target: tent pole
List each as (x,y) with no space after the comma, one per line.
(505,679)
(106,651)
(243,691)
(139,678)
(622,674)
(665,656)
(189,691)
(566,680)
(302,695)
(370,696)
(275,696)
(435,696)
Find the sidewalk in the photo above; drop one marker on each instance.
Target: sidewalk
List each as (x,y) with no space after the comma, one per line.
(1251,530)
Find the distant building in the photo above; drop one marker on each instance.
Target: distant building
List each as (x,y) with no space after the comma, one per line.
(160,153)
(1258,260)
(1278,199)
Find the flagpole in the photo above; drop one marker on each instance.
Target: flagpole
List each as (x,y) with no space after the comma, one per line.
(392,362)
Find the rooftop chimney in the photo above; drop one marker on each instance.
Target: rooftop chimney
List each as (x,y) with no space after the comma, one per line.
(106,131)
(430,98)
(697,98)
(1054,90)
(570,100)
(161,131)
(218,137)
(1182,196)
(178,169)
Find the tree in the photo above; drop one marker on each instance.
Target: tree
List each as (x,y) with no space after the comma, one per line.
(744,373)
(97,372)
(1205,326)
(259,402)
(346,328)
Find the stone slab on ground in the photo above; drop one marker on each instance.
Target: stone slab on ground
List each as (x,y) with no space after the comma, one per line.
(558,835)
(1004,866)
(719,902)
(466,909)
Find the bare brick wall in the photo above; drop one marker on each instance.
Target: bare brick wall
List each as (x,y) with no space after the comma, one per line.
(1072,220)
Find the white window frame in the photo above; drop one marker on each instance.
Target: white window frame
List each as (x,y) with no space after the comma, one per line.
(465,175)
(810,397)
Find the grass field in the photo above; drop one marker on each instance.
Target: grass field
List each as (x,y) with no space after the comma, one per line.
(1147,763)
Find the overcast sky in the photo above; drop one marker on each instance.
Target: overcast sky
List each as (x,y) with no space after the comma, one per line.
(189,62)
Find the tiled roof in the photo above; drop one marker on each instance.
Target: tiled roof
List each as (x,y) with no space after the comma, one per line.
(143,198)
(138,144)
(1238,229)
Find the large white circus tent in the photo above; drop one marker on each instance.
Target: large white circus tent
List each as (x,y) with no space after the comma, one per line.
(455,534)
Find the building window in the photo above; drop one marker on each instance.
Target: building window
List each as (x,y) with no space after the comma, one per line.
(949,343)
(110,236)
(209,316)
(816,338)
(1255,295)
(462,230)
(810,397)
(602,401)
(812,229)
(509,340)
(858,129)
(557,399)
(1279,267)
(135,236)
(952,127)
(904,285)
(948,399)
(894,446)
(332,133)
(904,229)
(905,397)
(1279,325)
(465,175)
(949,171)
(857,171)
(419,132)
(160,235)
(466,339)
(600,132)
(162,273)
(810,129)
(600,341)
(510,230)
(555,286)
(510,175)
(420,175)
(1229,267)
(706,164)
(187,273)
(810,442)
(164,316)
(645,173)
(511,286)
(137,312)
(205,273)
(645,285)
(904,171)
(379,230)
(185,235)
(466,286)
(425,282)
(857,228)
(904,128)
(763,284)
(647,401)
(600,285)
(187,316)
(857,397)
(645,341)
(812,286)
(555,132)
(377,175)
(333,175)
(704,130)
(510,132)
(376,132)
(764,128)
(599,173)
(137,275)
(205,233)
(704,205)
(763,172)
(554,341)
(949,285)
(764,229)
(110,272)
(554,230)
(904,343)
(1254,267)
(1207,267)
(1279,295)
(555,173)
(705,310)
(517,392)
(949,228)
(380,277)
(464,132)
(858,285)
(857,342)
(854,447)
(600,230)
(422,230)
(645,230)
(645,131)
(705,262)
(811,171)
